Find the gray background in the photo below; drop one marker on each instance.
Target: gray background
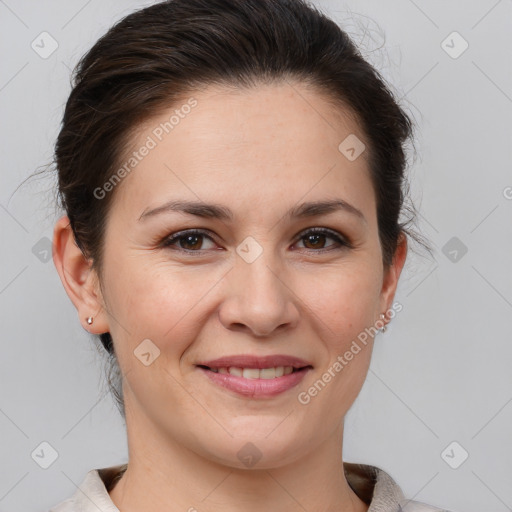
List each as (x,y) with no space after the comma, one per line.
(442,371)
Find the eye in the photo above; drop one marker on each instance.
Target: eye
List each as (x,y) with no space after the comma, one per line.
(316,238)
(189,241)
(192,240)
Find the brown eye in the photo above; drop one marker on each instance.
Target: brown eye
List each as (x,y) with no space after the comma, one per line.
(316,239)
(191,240)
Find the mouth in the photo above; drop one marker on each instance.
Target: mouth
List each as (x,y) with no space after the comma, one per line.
(256,377)
(256,373)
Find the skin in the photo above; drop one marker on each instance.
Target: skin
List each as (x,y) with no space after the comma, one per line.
(259,152)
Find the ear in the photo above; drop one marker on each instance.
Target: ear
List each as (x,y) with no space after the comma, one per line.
(392,274)
(80,281)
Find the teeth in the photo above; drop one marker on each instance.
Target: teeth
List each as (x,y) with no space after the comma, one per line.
(255,373)
(250,373)
(267,373)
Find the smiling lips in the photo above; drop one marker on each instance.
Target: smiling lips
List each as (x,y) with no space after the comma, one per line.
(256,377)
(255,373)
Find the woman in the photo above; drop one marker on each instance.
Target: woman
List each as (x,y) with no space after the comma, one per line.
(233,174)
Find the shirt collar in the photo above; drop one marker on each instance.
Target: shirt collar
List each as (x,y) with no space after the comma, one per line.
(372,484)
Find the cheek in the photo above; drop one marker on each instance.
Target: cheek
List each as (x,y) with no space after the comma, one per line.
(152,298)
(342,309)
(343,299)
(158,301)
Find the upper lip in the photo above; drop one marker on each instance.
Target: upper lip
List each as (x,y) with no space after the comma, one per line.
(250,361)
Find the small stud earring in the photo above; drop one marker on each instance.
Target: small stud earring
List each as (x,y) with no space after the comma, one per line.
(90,320)
(384,327)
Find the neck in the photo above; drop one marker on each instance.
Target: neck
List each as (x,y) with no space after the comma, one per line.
(175,478)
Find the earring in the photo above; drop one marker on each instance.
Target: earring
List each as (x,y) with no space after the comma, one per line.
(90,320)
(384,327)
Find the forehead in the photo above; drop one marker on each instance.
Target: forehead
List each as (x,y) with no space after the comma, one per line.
(265,144)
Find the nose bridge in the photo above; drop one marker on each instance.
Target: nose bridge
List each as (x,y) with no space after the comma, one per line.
(258,282)
(256,295)
(260,276)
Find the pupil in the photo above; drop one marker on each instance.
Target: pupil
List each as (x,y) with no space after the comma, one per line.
(192,237)
(314,239)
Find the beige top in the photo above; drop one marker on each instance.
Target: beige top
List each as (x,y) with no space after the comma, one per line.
(372,484)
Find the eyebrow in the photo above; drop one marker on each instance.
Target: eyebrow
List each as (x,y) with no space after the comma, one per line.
(216,211)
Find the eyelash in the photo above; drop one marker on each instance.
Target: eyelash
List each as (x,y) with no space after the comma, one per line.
(172,240)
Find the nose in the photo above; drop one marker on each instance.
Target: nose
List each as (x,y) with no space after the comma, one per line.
(257,299)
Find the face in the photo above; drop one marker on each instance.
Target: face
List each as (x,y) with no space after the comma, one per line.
(233,323)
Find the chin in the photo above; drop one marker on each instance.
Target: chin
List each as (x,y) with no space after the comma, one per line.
(260,445)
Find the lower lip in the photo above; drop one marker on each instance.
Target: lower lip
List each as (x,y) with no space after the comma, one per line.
(256,388)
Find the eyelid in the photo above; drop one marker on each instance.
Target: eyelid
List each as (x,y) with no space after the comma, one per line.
(341,240)
(170,240)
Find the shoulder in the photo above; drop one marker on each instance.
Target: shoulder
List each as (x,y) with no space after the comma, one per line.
(417,506)
(68,505)
(92,494)
(377,488)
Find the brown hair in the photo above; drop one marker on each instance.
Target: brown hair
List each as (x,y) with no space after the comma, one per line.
(152,57)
